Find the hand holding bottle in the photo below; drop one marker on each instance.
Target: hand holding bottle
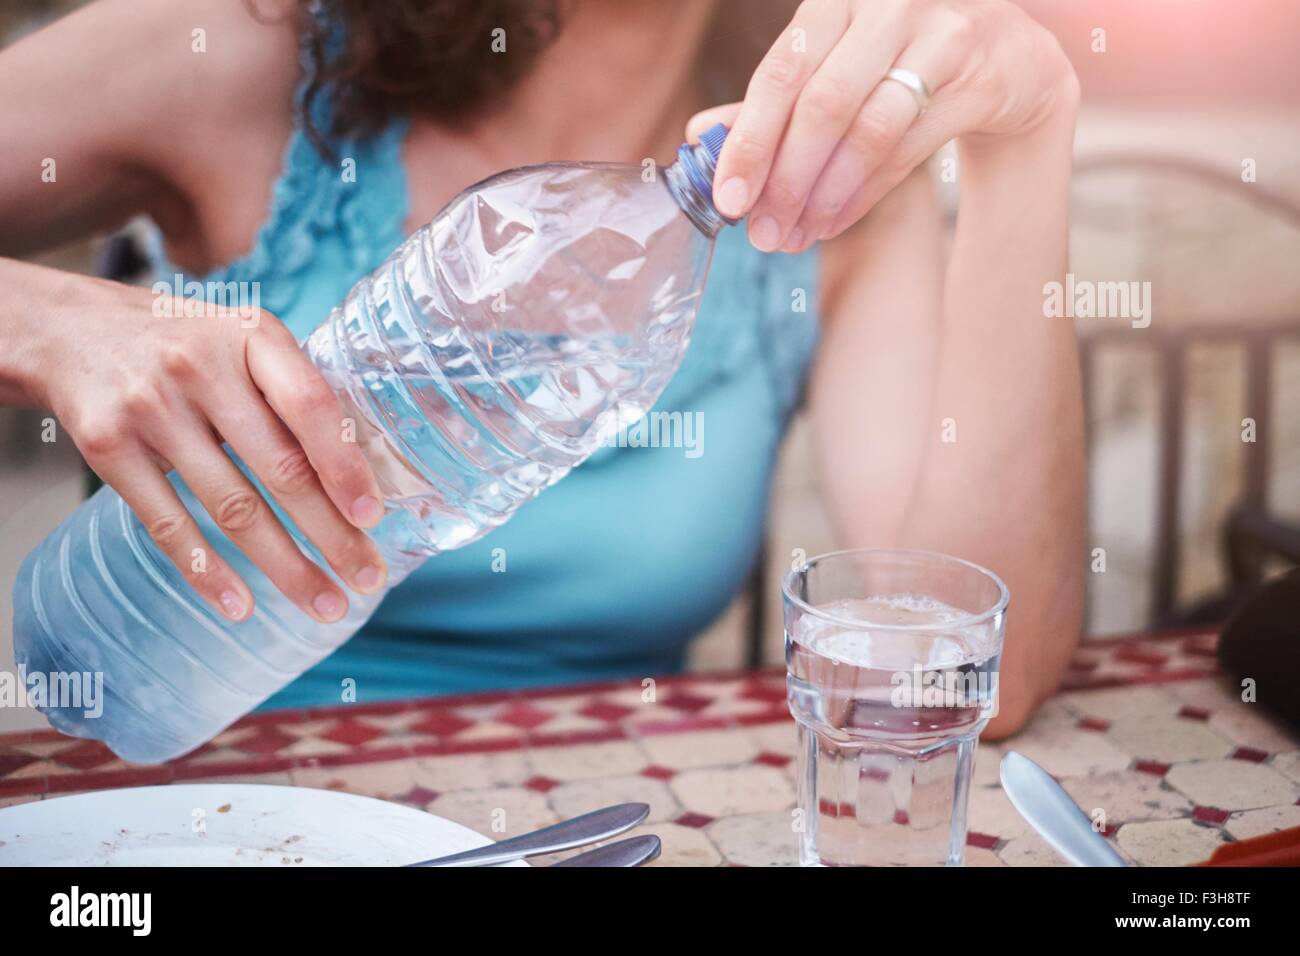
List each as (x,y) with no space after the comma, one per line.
(491,353)
(144,388)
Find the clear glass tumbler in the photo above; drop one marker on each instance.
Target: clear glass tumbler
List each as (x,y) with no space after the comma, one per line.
(892,671)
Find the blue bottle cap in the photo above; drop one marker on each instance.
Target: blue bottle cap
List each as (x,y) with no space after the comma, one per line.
(712,139)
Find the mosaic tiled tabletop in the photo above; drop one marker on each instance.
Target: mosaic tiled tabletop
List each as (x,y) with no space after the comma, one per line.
(1144,730)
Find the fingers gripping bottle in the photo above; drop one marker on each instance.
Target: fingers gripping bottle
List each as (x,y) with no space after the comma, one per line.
(498,347)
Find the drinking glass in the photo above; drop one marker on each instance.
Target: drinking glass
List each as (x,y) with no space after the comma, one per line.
(892,671)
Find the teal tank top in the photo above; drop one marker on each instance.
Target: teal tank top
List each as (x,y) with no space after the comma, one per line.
(610,572)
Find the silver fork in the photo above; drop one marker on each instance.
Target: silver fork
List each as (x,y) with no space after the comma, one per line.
(630,852)
(588,828)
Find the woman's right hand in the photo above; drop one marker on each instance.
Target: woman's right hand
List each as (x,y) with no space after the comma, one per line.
(142,392)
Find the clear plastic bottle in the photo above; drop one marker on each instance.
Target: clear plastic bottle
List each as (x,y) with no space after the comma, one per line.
(498,347)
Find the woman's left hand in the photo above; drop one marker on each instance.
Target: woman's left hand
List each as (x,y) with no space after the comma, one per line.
(823,134)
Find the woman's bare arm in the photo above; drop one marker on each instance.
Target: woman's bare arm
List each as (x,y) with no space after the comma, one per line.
(828,129)
(123,109)
(77,95)
(881,304)
(136,112)
(1008,491)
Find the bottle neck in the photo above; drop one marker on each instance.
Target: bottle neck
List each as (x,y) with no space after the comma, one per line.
(690,181)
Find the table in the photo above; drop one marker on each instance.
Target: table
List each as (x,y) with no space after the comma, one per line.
(1144,730)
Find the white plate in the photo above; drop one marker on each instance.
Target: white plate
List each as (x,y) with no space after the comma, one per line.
(213,824)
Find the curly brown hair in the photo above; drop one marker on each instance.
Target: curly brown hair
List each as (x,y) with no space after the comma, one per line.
(418,56)
(380,60)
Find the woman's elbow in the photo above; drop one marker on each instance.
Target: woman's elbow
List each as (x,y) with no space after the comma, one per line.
(1034,674)
(1014,711)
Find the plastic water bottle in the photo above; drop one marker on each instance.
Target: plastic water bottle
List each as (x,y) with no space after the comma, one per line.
(541,311)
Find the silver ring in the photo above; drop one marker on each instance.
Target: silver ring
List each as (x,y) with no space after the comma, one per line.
(915,85)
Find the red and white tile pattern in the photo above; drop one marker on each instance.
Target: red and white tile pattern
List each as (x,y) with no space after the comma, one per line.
(1144,732)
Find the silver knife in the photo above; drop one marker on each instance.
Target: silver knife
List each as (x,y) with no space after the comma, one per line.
(588,828)
(630,852)
(1048,808)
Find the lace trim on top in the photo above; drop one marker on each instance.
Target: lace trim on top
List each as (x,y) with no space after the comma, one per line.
(312,198)
(359,201)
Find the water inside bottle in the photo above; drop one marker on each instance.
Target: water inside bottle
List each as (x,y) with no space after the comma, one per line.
(483,360)
(506,343)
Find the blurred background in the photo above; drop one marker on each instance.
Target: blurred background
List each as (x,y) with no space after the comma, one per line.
(1187,177)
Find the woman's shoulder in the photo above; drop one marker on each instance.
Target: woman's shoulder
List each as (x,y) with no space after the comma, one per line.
(207,87)
(168,67)
(147,100)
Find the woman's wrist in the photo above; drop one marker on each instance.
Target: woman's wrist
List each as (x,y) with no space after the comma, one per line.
(29,329)
(1018,185)
(1047,142)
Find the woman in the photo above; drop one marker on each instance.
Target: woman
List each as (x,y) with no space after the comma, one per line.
(946,408)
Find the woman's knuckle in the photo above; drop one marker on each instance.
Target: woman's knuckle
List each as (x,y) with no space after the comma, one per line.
(778,72)
(745,147)
(820,213)
(141,399)
(176,357)
(251,318)
(815,9)
(103,436)
(292,473)
(827,98)
(301,580)
(238,511)
(268,327)
(352,551)
(1058,65)
(958,27)
(168,528)
(872,131)
(312,397)
(350,472)
(781,195)
(1071,90)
